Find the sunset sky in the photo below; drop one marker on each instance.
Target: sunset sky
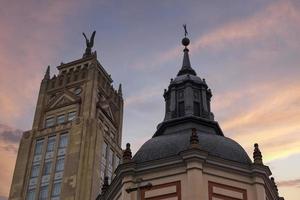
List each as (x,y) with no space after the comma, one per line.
(248,52)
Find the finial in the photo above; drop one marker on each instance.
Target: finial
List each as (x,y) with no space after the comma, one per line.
(185,41)
(105,185)
(257,156)
(127,155)
(274,185)
(194,140)
(120,90)
(89,44)
(47,74)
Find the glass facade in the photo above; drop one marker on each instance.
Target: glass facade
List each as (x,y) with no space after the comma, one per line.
(35,171)
(60,119)
(51,144)
(63,141)
(53,156)
(60,164)
(30,194)
(56,189)
(38,147)
(71,116)
(49,122)
(43,193)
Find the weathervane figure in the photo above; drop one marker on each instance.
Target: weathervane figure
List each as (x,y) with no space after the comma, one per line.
(185,31)
(89,44)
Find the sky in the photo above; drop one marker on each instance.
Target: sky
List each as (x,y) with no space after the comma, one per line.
(248,52)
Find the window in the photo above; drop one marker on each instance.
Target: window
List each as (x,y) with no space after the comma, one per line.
(196,94)
(181,109)
(180,94)
(196,109)
(35,171)
(47,168)
(38,147)
(60,119)
(49,122)
(60,164)
(104,149)
(63,141)
(30,194)
(43,193)
(51,144)
(56,189)
(71,116)
(117,161)
(110,163)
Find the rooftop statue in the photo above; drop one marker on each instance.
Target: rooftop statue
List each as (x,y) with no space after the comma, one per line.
(89,44)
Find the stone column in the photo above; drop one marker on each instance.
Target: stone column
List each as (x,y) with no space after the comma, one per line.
(195,181)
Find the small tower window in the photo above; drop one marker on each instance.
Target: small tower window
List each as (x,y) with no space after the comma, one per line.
(181,109)
(180,94)
(197,109)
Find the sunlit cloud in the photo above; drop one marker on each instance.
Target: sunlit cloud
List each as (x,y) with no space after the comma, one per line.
(289,183)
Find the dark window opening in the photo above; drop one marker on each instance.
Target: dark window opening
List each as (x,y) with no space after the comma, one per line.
(196,109)
(181,109)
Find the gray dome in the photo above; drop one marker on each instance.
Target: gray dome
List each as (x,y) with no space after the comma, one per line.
(172,144)
(185,77)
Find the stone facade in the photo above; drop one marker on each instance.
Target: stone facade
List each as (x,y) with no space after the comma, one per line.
(76,135)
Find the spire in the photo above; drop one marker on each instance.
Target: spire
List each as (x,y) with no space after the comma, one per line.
(47,74)
(194,139)
(186,64)
(120,89)
(257,155)
(127,155)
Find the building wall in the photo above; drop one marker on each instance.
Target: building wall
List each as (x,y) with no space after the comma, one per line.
(194,181)
(81,103)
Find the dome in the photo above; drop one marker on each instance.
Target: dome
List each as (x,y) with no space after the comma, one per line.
(172,144)
(187,77)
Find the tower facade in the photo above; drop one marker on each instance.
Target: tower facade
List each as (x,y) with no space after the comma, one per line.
(76,134)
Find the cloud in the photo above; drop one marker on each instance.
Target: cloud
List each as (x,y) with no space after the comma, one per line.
(267,115)
(10,135)
(274,26)
(289,183)
(31,38)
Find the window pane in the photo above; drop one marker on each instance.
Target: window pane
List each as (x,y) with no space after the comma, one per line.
(181,109)
(110,157)
(63,141)
(51,144)
(56,189)
(104,149)
(71,116)
(47,168)
(38,147)
(117,161)
(35,171)
(30,194)
(43,193)
(49,122)
(196,109)
(60,119)
(60,164)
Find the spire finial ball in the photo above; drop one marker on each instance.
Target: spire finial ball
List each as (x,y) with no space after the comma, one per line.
(185,41)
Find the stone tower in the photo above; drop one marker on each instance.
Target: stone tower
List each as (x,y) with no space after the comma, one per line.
(76,134)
